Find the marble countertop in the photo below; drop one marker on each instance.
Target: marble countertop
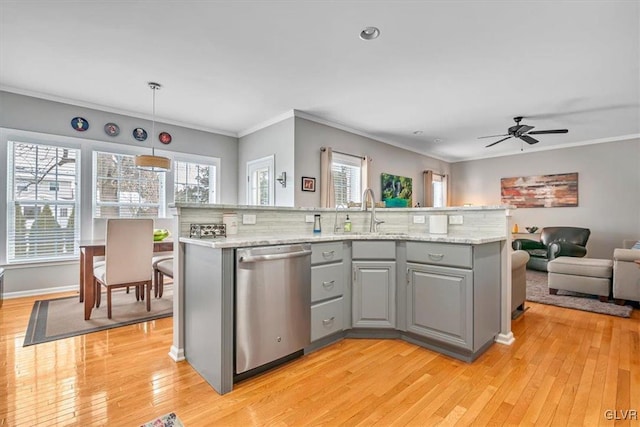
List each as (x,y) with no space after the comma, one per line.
(265,240)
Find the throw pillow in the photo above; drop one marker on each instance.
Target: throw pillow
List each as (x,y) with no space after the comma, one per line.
(636,246)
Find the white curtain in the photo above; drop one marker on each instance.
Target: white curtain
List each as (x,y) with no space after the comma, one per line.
(327,192)
(364,173)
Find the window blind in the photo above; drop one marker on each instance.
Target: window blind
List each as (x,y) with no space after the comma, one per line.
(194,182)
(123,191)
(43,202)
(346,178)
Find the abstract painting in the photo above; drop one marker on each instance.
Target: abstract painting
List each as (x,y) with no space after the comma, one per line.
(396,191)
(540,191)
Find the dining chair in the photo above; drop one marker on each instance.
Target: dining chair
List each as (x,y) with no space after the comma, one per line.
(160,269)
(128,253)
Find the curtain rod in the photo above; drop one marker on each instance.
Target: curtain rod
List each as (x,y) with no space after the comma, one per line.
(340,152)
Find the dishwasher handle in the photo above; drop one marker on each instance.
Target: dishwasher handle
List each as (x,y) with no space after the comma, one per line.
(272,257)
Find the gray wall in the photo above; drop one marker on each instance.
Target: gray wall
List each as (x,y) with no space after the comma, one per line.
(311,136)
(276,140)
(48,121)
(608,189)
(54,118)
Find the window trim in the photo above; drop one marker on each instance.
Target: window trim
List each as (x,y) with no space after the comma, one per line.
(351,160)
(190,158)
(163,203)
(9,139)
(270,162)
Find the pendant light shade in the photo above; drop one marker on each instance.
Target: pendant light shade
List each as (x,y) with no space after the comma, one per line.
(152,162)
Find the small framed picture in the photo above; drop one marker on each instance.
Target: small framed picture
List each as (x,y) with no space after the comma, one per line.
(308,184)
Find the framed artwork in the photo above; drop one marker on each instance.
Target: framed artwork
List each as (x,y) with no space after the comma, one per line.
(396,191)
(308,184)
(540,191)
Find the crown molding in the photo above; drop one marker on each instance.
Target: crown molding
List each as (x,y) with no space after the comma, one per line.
(106,109)
(277,119)
(341,126)
(557,147)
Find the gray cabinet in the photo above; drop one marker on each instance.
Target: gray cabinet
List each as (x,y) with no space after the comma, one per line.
(374,285)
(453,293)
(440,303)
(327,289)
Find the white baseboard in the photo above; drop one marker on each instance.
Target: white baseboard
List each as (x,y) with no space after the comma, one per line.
(506,339)
(35,292)
(176,354)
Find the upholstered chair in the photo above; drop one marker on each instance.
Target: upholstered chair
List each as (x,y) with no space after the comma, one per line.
(162,268)
(554,242)
(128,253)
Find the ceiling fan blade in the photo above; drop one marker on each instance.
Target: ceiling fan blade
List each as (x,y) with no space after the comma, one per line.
(528,139)
(540,132)
(522,129)
(492,136)
(494,143)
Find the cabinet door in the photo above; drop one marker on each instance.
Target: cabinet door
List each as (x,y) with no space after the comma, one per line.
(440,304)
(374,294)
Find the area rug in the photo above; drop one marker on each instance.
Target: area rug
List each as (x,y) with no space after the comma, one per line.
(538,291)
(58,318)
(168,420)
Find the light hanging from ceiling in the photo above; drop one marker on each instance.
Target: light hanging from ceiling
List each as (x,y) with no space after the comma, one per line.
(152,162)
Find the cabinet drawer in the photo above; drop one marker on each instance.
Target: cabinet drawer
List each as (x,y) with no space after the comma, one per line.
(327,281)
(326,252)
(326,318)
(440,254)
(374,250)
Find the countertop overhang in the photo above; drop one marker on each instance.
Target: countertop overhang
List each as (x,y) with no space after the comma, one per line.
(266,240)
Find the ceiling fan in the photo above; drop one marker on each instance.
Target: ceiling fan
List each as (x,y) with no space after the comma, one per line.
(523,132)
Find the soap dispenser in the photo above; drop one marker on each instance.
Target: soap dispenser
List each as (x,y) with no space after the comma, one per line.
(317,228)
(347,224)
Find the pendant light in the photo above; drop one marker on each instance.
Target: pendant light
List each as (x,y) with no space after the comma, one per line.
(153,163)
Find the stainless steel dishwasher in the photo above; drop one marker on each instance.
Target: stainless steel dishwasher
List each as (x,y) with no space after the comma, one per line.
(273,303)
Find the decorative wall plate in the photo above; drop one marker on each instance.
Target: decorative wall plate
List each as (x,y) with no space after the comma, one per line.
(80,124)
(164,137)
(112,129)
(140,134)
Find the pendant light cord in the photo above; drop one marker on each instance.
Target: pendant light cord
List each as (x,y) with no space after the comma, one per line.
(153,119)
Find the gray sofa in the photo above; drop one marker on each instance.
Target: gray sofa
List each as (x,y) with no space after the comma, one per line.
(518,279)
(626,273)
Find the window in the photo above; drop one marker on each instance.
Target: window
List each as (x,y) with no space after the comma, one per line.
(43,202)
(260,180)
(194,182)
(123,191)
(346,178)
(435,189)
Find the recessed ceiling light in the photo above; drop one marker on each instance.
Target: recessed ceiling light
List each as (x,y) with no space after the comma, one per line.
(369,33)
(418,132)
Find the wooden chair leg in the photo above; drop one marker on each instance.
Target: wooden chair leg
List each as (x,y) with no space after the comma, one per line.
(156,282)
(109,302)
(148,287)
(98,292)
(160,284)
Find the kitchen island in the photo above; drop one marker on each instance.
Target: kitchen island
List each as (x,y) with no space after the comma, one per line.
(446,292)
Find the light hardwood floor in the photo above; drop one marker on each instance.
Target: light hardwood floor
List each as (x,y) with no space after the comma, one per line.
(566,368)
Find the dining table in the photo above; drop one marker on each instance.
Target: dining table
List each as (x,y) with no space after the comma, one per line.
(93,248)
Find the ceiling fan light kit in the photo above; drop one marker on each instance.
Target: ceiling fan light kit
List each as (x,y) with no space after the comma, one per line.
(522,132)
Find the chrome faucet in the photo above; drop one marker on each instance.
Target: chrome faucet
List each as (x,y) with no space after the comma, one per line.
(336,229)
(373,225)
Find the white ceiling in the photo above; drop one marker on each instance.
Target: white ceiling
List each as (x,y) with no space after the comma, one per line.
(455,70)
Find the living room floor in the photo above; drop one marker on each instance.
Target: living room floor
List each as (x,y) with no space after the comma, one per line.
(566,367)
